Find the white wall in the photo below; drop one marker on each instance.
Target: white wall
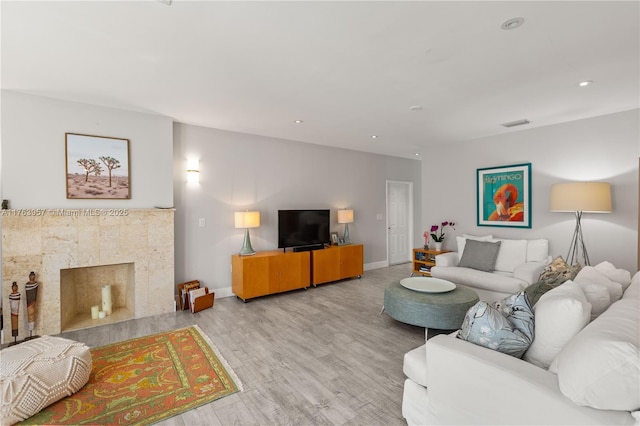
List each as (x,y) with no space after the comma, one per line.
(33,151)
(240,171)
(598,149)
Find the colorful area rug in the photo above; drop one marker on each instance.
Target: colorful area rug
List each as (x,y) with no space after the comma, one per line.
(145,380)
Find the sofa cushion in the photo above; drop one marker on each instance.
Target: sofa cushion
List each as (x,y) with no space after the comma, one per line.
(589,274)
(621,276)
(536,290)
(480,255)
(490,281)
(559,315)
(598,296)
(415,365)
(461,241)
(633,291)
(517,309)
(600,367)
(559,271)
(511,254)
(508,330)
(537,250)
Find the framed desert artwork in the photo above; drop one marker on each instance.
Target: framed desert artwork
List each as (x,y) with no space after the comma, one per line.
(97,167)
(504,196)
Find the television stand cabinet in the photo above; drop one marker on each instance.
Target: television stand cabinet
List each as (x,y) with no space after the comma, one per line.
(275,271)
(336,263)
(269,272)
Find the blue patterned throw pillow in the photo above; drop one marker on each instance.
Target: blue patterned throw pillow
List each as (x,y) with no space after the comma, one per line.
(506,327)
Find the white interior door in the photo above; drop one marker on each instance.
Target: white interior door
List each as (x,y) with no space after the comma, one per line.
(399,221)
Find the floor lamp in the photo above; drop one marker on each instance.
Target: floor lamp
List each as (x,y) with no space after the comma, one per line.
(580,197)
(345,216)
(247,220)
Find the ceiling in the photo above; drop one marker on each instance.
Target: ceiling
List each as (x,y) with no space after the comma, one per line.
(348,70)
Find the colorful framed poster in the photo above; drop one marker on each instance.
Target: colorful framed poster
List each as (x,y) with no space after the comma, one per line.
(504,196)
(97,167)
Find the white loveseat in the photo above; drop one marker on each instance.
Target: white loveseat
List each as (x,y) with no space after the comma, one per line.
(519,263)
(593,379)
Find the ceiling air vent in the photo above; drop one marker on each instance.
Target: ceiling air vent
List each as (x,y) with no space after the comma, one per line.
(516,123)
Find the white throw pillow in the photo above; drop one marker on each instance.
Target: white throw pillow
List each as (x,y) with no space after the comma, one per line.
(537,250)
(512,253)
(559,315)
(600,367)
(589,274)
(621,276)
(462,240)
(598,296)
(633,291)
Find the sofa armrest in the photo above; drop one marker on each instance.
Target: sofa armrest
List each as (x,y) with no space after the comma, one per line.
(530,271)
(447,259)
(469,384)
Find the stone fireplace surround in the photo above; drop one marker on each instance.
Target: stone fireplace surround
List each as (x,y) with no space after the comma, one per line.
(54,242)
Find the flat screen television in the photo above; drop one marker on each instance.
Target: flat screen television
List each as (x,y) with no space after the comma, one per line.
(298,228)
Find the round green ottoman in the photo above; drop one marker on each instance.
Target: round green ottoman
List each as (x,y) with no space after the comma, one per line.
(443,311)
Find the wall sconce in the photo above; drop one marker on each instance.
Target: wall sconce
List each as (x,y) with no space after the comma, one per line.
(193,171)
(345,216)
(247,220)
(580,197)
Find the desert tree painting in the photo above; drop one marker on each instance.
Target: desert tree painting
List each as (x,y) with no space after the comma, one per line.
(97,167)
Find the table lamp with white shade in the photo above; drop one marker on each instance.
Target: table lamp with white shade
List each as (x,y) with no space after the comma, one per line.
(246,220)
(345,216)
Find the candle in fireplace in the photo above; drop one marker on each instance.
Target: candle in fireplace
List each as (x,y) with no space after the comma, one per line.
(106,299)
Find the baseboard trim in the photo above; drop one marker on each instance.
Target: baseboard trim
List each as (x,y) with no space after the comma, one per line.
(376,265)
(222,292)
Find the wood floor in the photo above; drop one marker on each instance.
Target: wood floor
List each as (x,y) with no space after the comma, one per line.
(322,356)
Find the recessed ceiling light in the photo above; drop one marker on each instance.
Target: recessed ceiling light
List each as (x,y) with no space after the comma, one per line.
(417,154)
(374,136)
(298,122)
(416,108)
(585,83)
(512,24)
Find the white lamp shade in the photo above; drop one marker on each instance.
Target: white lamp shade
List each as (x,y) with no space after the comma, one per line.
(247,219)
(345,216)
(589,197)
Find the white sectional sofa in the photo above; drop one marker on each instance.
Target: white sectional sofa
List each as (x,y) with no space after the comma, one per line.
(519,263)
(593,376)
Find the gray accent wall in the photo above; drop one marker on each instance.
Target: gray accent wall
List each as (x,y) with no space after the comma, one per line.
(602,149)
(241,171)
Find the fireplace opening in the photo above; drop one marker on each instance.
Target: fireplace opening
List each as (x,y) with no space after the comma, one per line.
(81,288)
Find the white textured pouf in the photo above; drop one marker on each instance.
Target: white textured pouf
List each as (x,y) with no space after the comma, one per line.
(39,372)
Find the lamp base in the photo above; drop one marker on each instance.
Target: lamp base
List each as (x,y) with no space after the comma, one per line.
(346,238)
(247,250)
(577,242)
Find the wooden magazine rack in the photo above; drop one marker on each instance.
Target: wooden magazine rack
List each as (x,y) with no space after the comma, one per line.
(203,302)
